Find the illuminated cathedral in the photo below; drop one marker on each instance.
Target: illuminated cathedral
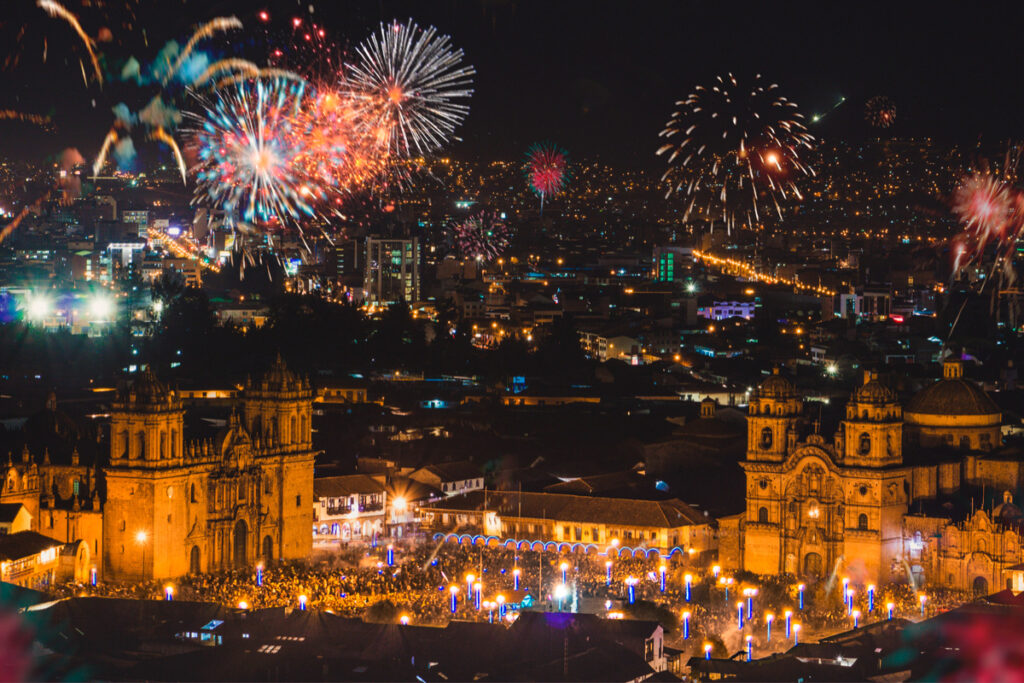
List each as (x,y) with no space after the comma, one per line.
(151,503)
(874,502)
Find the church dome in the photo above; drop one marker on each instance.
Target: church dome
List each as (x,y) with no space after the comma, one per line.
(776,386)
(148,389)
(874,392)
(953,395)
(278,376)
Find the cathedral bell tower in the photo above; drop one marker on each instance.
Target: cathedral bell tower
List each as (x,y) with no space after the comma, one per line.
(775,406)
(872,433)
(145,482)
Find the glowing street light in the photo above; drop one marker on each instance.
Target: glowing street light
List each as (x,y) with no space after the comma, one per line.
(688,580)
(561,593)
(454,591)
(391,555)
(871,598)
(686,625)
(923,598)
(739,614)
(565,568)
(631,587)
(707,651)
(890,607)
(501,606)
(101,308)
(800,594)
(796,634)
(750,647)
(404,620)
(856,618)
(789,624)
(259,574)
(302,602)
(768,619)
(661,571)
(478,589)
(515,578)
(168,593)
(849,601)
(38,307)
(715,571)
(608,573)
(470,578)
(242,604)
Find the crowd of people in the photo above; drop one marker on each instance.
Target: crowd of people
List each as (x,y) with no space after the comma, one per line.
(357,581)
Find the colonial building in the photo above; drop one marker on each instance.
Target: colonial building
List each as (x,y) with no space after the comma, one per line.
(879,501)
(243,497)
(579,523)
(149,502)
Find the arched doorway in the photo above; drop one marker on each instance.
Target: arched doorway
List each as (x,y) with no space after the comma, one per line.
(193,560)
(980,586)
(812,564)
(241,542)
(268,549)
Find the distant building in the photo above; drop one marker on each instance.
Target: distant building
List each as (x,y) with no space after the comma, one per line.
(391,270)
(672,264)
(453,478)
(588,523)
(348,508)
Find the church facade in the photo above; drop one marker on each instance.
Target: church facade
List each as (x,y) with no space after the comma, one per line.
(856,506)
(159,505)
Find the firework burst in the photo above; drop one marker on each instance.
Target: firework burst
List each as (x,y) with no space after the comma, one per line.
(482,237)
(880,111)
(248,143)
(735,144)
(547,170)
(411,86)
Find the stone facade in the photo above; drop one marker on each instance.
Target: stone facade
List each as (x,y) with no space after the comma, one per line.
(245,496)
(815,506)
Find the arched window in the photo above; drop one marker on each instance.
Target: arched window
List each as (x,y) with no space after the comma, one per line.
(982,546)
(762,515)
(862,522)
(766,437)
(192,494)
(175,452)
(125,444)
(163,444)
(141,440)
(865,444)
(293,434)
(241,490)
(965,443)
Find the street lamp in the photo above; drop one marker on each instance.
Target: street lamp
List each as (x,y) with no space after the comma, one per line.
(141,537)
(561,592)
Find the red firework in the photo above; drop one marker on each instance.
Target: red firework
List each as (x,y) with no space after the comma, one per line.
(547,168)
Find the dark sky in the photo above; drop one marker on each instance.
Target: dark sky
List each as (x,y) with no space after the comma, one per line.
(597,77)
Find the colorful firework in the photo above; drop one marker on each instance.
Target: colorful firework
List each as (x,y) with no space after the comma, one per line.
(248,144)
(991,210)
(411,86)
(482,237)
(335,151)
(58,11)
(204,31)
(547,170)
(735,144)
(880,111)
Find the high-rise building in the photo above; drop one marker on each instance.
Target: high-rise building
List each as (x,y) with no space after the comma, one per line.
(391,270)
(672,264)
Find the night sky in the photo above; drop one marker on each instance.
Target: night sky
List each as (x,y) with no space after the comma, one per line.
(599,78)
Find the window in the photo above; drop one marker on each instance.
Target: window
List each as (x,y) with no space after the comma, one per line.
(862,522)
(192,494)
(75,486)
(298,501)
(766,437)
(649,650)
(578,533)
(965,443)
(865,444)
(763,484)
(863,490)
(267,486)
(762,515)
(241,491)
(565,532)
